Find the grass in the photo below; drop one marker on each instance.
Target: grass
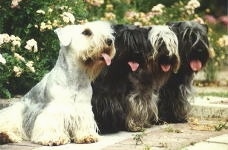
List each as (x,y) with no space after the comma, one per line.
(221,126)
(217,94)
(138,138)
(169,128)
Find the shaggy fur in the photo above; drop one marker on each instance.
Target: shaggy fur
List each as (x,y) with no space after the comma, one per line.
(58,109)
(141,102)
(112,85)
(193,49)
(124,95)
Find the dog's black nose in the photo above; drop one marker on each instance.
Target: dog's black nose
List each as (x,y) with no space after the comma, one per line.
(109,42)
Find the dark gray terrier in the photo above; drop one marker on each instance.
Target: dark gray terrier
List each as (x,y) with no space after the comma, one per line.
(173,102)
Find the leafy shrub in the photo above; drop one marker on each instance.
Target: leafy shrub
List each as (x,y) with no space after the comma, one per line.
(28,45)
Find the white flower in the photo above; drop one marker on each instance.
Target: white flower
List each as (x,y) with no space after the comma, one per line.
(68,17)
(1,39)
(16,41)
(158,9)
(18,71)
(55,23)
(29,64)
(42,26)
(193,3)
(2,59)
(50,10)
(31,45)
(199,20)
(4,38)
(40,11)
(223,41)
(95,2)
(19,57)
(191,6)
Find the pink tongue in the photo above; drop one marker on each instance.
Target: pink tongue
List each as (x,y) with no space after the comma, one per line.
(196,65)
(134,65)
(107,58)
(165,68)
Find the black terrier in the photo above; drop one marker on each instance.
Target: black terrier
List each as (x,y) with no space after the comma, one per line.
(173,102)
(112,86)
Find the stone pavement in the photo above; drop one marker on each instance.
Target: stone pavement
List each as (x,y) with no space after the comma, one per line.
(207,129)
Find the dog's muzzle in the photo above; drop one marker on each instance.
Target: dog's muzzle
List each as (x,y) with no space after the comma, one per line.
(108,42)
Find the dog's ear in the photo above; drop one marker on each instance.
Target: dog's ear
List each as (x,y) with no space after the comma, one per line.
(175,26)
(64,35)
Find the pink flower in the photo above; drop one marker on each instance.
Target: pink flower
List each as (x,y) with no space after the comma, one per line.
(210,19)
(223,19)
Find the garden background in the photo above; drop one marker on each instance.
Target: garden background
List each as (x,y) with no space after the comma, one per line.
(29,47)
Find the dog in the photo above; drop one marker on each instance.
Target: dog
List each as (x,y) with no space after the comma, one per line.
(58,109)
(141,101)
(112,85)
(173,102)
(123,96)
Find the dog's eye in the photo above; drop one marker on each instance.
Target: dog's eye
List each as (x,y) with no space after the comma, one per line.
(87,32)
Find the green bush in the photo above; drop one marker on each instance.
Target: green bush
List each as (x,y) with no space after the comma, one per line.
(28,45)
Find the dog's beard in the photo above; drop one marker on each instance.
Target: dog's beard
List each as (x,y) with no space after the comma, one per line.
(166,62)
(164,43)
(198,53)
(193,44)
(91,56)
(94,60)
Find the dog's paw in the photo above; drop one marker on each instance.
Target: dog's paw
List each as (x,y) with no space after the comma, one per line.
(86,139)
(51,141)
(134,127)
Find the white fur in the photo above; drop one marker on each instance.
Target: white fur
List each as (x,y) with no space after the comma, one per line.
(58,109)
(163,32)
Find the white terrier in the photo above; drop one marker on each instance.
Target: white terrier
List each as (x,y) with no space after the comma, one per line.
(58,109)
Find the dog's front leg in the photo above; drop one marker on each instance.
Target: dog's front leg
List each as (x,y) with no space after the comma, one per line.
(84,126)
(50,126)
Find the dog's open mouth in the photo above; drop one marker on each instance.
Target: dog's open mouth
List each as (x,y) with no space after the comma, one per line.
(165,62)
(106,58)
(165,67)
(134,65)
(195,65)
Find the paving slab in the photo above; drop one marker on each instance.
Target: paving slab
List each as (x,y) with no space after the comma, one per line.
(161,137)
(207,146)
(218,143)
(223,139)
(210,107)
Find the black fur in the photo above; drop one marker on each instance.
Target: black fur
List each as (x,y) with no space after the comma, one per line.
(173,97)
(124,99)
(112,85)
